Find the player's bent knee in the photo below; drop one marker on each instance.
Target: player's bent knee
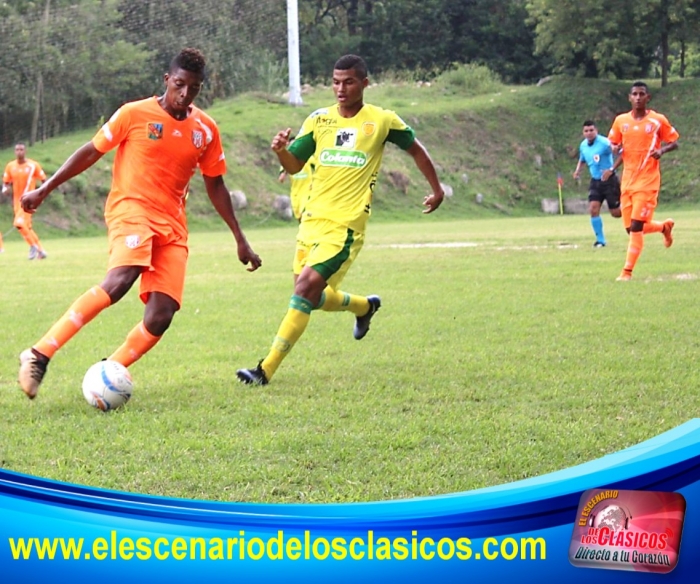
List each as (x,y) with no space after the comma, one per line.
(158,322)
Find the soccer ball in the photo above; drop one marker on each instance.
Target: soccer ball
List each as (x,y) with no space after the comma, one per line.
(107,385)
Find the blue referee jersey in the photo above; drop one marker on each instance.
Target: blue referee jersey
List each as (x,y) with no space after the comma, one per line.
(598,156)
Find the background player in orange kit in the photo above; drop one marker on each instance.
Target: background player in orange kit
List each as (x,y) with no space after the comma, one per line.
(160,142)
(643,136)
(22,174)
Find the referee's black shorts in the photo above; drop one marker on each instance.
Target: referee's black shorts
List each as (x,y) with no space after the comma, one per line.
(608,190)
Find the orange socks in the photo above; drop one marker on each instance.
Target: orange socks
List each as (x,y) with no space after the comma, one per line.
(138,342)
(634,249)
(81,312)
(653,227)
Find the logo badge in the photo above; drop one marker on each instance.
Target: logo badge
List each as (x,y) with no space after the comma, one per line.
(345,138)
(648,128)
(132,241)
(596,158)
(636,531)
(346,158)
(197,138)
(625,127)
(368,128)
(155,131)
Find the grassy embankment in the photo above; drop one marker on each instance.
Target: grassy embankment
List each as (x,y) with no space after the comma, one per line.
(507,145)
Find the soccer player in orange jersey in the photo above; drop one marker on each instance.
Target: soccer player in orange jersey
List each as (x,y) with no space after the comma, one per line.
(160,143)
(643,136)
(22,175)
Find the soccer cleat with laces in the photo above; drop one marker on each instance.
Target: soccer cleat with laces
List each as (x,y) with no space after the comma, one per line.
(625,276)
(362,322)
(252,376)
(33,252)
(32,368)
(666,231)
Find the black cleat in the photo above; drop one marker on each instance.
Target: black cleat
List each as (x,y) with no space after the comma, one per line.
(362,322)
(252,376)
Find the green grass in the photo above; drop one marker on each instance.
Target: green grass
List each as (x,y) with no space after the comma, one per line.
(488,363)
(507,145)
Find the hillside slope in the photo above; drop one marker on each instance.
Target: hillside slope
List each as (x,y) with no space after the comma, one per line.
(507,146)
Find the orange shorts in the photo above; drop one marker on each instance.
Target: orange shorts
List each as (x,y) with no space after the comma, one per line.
(22,219)
(638,206)
(158,247)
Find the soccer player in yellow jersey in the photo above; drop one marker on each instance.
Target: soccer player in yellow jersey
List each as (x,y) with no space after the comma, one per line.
(160,142)
(347,141)
(643,136)
(22,175)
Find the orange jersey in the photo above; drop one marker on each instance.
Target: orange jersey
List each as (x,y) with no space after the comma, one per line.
(639,138)
(23,178)
(156,158)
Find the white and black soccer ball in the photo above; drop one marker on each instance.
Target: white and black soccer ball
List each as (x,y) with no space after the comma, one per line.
(107,385)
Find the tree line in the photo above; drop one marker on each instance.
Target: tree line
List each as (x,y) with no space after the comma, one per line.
(68,64)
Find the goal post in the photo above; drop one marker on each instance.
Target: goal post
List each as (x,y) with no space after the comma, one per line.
(293,52)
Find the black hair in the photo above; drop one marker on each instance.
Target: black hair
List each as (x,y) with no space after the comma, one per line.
(347,62)
(640,84)
(189,59)
(589,123)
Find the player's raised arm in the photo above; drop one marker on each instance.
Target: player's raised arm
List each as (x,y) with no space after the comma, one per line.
(425,164)
(82,159)
(289,162)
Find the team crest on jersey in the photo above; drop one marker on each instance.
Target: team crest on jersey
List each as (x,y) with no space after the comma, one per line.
(197,138)
(625,127)
(648,128)
(155,131)
(368,128)
(346,138)
(132,241)
(596,158)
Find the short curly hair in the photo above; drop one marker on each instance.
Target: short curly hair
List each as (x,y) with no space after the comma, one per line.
(189,59)
(355,62)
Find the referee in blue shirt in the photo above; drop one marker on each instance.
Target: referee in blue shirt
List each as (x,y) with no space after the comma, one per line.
(596,152)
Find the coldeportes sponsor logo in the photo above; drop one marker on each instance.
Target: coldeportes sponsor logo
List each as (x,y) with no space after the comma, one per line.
(337,157)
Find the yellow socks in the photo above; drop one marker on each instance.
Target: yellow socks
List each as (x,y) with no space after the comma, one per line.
(292,327)
(336,301)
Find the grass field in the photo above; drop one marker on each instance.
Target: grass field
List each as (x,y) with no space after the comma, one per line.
(504,349)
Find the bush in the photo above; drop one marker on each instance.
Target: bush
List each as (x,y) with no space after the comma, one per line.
(469,79)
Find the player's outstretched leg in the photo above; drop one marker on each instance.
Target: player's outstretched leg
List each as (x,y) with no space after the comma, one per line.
(291,328)
(362,322)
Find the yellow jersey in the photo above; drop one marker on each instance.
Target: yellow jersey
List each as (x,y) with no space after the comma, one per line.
(347,154)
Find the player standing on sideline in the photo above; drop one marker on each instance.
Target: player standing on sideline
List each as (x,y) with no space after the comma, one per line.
(22,174)
(644,136)
(596,152)
(347,141)
(301,185)
(161,141)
